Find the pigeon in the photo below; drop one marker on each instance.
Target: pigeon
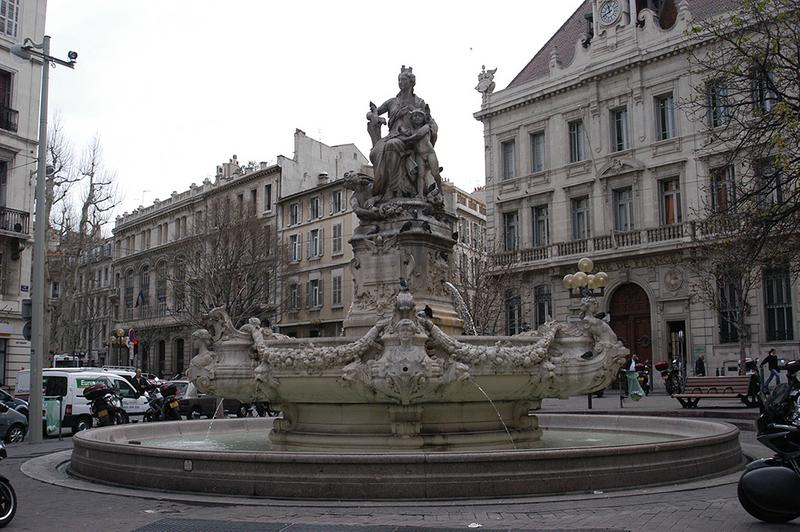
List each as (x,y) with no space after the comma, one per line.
(426,227)
(428,311)
(406,227)
(587,355)
(430,189)
(454,235)
(375,229)
(403,285)
(414,213)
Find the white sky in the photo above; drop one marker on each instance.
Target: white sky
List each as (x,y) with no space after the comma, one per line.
(173,88)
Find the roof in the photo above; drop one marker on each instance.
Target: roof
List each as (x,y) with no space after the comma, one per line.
(571,31)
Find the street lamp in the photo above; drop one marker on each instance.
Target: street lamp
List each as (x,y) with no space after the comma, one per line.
(584,282)
(27,50)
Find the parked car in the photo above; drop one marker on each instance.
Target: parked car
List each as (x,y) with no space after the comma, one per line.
(13,425)
(14,403)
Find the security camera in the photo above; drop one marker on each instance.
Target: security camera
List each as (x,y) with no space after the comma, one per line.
(72,55)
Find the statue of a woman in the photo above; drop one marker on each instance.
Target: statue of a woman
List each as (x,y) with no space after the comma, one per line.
(393,156)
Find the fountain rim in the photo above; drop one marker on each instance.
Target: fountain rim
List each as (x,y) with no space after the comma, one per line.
(87,439)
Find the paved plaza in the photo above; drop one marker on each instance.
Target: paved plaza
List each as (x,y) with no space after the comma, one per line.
(709,505)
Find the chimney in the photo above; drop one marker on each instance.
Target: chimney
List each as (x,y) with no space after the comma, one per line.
(323,178)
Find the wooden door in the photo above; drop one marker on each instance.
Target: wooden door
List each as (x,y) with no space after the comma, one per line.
(630,320)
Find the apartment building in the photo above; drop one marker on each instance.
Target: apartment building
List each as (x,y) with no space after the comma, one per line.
(20,86)
(589,154)
(470,208)
(317,221)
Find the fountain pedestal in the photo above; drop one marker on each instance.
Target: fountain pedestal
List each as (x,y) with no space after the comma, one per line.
(415,247)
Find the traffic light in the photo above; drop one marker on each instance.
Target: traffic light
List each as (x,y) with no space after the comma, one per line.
(27,313)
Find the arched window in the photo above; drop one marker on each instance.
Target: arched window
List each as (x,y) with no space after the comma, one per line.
(179,286)
(143,298)
(129,294)
(161,287)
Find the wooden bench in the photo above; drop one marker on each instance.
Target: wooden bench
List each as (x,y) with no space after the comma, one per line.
(742,387)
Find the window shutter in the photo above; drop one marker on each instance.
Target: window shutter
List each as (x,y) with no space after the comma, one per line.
(308,294)
(333,201)
(299,246)
(321,241)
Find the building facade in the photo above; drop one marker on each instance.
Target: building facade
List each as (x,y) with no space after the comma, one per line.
(316,223)
(589,154)
(20,85)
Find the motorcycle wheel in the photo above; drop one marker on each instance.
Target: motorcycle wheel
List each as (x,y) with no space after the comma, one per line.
(761,514)
(8,503)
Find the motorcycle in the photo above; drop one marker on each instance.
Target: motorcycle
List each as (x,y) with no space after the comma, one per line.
(155,403)
(105,405)
(670,373)
(169,408)
(8,497)
(769,489)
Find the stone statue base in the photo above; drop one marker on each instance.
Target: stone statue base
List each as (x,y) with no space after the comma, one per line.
(415,246)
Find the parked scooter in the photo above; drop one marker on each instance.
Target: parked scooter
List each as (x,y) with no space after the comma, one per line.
(105,405)
(770,488)
(169,409)
(8,497)
(670,373)
(155,403)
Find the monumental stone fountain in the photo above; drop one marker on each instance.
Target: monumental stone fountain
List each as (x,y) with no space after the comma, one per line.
(403,405)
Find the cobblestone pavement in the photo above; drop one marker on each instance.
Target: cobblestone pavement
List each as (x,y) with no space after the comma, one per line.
(711,508)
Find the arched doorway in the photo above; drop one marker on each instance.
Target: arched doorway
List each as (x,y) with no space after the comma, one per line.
(630,319)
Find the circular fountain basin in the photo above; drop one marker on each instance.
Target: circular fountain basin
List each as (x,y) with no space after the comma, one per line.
(578,454)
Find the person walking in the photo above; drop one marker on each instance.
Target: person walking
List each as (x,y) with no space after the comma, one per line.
(772,364)
(700,366)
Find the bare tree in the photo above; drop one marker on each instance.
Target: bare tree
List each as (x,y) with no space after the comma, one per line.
(78,229)
(484,279)
(234,260)
(749,101)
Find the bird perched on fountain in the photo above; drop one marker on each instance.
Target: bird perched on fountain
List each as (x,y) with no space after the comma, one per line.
(406,227)
(428,311)
(454,236)
(414,213)
(426,227)
(403,284)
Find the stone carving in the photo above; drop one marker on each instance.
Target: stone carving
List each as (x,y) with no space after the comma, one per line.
(485,83)
(404,160)
(438,273)
(673,279)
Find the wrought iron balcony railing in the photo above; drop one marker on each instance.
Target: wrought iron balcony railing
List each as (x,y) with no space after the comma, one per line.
(14,221)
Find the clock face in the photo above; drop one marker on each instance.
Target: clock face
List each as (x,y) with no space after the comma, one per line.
(609,11)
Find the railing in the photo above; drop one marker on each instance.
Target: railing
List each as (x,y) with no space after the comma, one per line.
(608,243)
(15,221)
(8,119)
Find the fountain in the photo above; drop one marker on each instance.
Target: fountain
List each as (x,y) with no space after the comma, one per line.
(403,406)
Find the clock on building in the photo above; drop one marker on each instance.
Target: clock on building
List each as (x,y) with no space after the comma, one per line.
(610,11)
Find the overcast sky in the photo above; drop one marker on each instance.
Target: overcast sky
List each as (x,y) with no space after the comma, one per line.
(173,88)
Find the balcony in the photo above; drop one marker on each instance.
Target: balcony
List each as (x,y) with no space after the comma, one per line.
(8,119)
(607,245)
(15,223)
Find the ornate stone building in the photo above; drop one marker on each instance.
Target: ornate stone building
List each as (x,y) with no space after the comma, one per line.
(589,154)
(20,85)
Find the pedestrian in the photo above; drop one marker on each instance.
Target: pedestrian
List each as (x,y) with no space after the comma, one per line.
(140,380)
(772,364)
(700,366)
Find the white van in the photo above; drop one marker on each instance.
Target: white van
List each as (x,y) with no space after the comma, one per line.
(69,384)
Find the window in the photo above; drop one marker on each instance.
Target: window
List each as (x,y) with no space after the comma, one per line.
(576,152)
(623,209)
(55,290)
(315,243)
(477,241)
(513,313)
(722,191)
(268,197)
(778,304)
(665,116)
(671,201)
(178,287)
(336,292)
(143,298)
(463,230)
(315,208)
(294,248)
(541,226)
(716,96)
(294,214)
(510,223)
(543,302)
(509,169)
(764,95)
(771,184)
(580,218)
(619,128)
(537,151)
(9,17)
(9,117)
(337,201)
(730,297)
(294,296)
(337,239)
(314,294)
